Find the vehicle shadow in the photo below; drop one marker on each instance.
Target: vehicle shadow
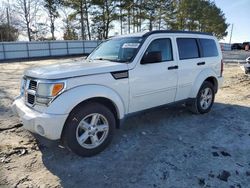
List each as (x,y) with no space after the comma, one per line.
(153,141)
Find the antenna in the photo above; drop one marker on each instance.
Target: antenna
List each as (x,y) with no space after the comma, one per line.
(231,34)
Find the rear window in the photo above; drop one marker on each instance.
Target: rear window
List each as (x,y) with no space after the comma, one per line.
(188,48)
(209,48)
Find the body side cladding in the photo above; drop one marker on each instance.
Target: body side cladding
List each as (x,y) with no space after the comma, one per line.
(184,101)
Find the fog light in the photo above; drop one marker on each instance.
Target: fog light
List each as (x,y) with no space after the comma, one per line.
(40,130)
(42,100)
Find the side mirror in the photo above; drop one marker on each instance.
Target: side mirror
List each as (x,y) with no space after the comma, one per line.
(152,57)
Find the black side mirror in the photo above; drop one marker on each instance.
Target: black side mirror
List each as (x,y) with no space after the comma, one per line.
(152,57)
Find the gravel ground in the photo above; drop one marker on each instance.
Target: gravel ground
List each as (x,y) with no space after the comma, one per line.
(169,147)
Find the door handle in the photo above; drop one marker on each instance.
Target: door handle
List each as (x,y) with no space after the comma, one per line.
(201,63)
(173,67)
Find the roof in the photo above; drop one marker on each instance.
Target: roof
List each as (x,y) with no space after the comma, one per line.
(176,31)
(146,34)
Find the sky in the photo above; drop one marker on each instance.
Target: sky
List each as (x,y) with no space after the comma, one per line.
(237,13)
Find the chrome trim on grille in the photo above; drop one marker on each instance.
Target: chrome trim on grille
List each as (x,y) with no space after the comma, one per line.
(31,86)
(30,92)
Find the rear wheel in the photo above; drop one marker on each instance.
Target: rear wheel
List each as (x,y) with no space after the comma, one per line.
(204,99)
(89,129)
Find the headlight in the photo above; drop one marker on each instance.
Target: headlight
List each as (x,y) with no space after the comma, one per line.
(47,91)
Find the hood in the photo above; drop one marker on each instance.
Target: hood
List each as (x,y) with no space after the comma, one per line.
(76,68)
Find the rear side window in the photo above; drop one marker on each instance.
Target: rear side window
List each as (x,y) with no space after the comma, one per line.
(188,48)
(209,48)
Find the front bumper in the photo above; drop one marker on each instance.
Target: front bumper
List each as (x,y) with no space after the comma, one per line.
(46,125)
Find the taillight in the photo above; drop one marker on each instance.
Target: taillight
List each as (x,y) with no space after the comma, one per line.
(221,67)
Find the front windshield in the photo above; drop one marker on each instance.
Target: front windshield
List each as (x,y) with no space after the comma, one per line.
(118,49)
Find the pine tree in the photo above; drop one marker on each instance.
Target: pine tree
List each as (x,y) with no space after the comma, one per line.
(51,7)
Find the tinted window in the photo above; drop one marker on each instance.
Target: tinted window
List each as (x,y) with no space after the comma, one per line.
(187,48)
(163,46)
(209,47)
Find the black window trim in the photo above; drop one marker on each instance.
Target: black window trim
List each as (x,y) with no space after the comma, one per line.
(198,46)
(160,61)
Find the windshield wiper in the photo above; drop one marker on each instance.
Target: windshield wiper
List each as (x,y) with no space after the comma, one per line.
(113,60)
(101,59)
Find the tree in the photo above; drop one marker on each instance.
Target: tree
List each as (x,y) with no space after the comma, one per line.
(214,20)
(81,9)
(39,32)
(131,14)
(165,14)
(27,11)
(51,7)
(2,16)
(200,15)
(104,13)
(69,31)
(8,33)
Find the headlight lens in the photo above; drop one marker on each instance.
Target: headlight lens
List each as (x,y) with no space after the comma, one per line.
(49,89)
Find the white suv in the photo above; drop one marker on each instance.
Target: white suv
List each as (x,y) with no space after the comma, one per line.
(83,102)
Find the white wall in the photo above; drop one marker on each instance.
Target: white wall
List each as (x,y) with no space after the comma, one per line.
(25,50)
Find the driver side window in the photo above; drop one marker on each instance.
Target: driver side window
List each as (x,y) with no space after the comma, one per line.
(161,50)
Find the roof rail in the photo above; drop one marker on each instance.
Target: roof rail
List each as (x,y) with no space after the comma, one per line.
(175,31)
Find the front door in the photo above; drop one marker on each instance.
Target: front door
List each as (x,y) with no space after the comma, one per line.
(154,83)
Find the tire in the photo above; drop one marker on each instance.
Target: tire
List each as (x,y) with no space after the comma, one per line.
(202,104)
(89,129)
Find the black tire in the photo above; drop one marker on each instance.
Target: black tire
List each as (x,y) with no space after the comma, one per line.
(72,124)
(195,104)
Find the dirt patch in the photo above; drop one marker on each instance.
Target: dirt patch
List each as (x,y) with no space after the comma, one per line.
(169,147)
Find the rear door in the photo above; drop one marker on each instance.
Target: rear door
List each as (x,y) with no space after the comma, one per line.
(190,64)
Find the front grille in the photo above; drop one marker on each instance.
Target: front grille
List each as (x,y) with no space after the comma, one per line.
(33,85)
(30,99)
(30,91)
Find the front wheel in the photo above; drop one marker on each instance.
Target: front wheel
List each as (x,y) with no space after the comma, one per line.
(89,129)
(204,99)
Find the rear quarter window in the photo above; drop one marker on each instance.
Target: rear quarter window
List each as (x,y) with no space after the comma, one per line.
(188,48)
(209,48)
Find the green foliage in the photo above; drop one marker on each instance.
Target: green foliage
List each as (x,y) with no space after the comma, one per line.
(104,12)
(70,34)
(52,6)
(80,14)
(8,33)
(93,19)
(138,15)
(200,15)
